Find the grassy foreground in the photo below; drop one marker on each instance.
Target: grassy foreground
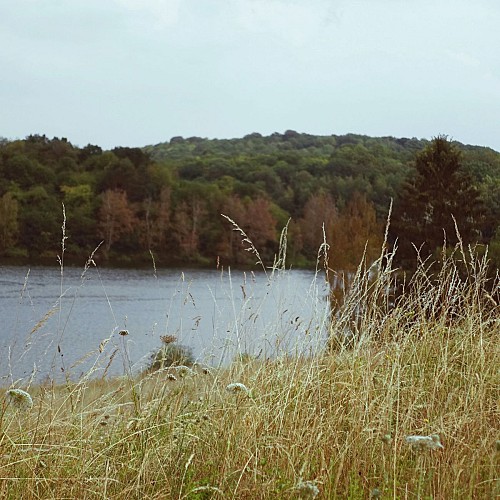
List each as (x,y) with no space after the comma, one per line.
(330,426)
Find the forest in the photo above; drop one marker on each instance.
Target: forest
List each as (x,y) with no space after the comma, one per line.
(166,200)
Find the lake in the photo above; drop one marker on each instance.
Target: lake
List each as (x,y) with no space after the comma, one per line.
(66,325)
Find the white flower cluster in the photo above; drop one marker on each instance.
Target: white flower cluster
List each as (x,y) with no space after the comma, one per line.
(19,399)
(420,443)
(307,489)
(237,387)
(182,371)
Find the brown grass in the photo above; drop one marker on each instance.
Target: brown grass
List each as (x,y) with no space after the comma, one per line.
(426,362)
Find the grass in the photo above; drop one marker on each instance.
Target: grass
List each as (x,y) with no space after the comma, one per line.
(425,362)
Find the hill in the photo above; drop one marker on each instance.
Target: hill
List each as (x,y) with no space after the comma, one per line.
(168,197)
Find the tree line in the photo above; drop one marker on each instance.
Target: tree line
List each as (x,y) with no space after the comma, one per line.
(168,199)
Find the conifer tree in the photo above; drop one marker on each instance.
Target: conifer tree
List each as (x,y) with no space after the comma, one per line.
(437,192)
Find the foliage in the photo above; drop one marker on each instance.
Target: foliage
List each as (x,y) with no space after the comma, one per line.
(9,229)
(167,199)
(438,199)
(115,216)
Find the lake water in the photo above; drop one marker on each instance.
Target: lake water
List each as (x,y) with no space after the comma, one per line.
(56,325)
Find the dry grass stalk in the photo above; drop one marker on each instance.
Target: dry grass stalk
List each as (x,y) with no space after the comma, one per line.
(426,363)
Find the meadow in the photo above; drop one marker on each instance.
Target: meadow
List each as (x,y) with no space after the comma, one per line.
(423,362)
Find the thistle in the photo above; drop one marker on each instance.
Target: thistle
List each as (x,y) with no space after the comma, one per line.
(237,387)
(420,443)
(19,399)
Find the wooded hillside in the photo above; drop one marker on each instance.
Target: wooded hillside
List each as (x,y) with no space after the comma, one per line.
(168,198)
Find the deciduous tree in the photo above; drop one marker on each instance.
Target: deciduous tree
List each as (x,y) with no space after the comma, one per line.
(319,210)
(116,218)
(354,232)
(8,222)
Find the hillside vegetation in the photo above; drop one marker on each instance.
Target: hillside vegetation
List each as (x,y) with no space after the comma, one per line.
(399,400)
(167,199)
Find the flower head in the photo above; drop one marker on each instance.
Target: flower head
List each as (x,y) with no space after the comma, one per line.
(386,439)
(168,339)
(420,443)
(19,399)
(182,371)
(237,387)
(307,489)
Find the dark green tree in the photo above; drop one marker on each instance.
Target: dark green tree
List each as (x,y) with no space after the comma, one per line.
(437,192)
(40,222)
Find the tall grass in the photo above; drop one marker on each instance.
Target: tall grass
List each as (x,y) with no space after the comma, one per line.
(422,361)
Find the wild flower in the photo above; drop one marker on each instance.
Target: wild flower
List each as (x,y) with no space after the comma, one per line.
(237,387)
(420,443)
(386,439)
(182,370)
(19,399)
(168,339)
(123,333)
(307,489)
(202,368)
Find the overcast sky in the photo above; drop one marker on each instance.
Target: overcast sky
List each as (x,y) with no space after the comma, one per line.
(137,72)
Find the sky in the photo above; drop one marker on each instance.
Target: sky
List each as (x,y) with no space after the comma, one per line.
(138,72)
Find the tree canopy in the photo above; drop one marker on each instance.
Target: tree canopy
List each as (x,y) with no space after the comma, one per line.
(168,199)
(436,202)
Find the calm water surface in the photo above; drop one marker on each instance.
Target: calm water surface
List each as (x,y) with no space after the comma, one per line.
(55,326)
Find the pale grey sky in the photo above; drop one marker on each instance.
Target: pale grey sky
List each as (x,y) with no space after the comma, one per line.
(137,72)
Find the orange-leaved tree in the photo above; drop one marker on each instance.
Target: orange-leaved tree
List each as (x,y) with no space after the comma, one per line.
(116,217)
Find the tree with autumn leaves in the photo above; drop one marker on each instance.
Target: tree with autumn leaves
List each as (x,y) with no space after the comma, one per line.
(255,218)
(116,217)
(355,234)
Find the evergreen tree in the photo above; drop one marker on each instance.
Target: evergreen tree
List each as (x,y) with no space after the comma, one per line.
(438,191)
